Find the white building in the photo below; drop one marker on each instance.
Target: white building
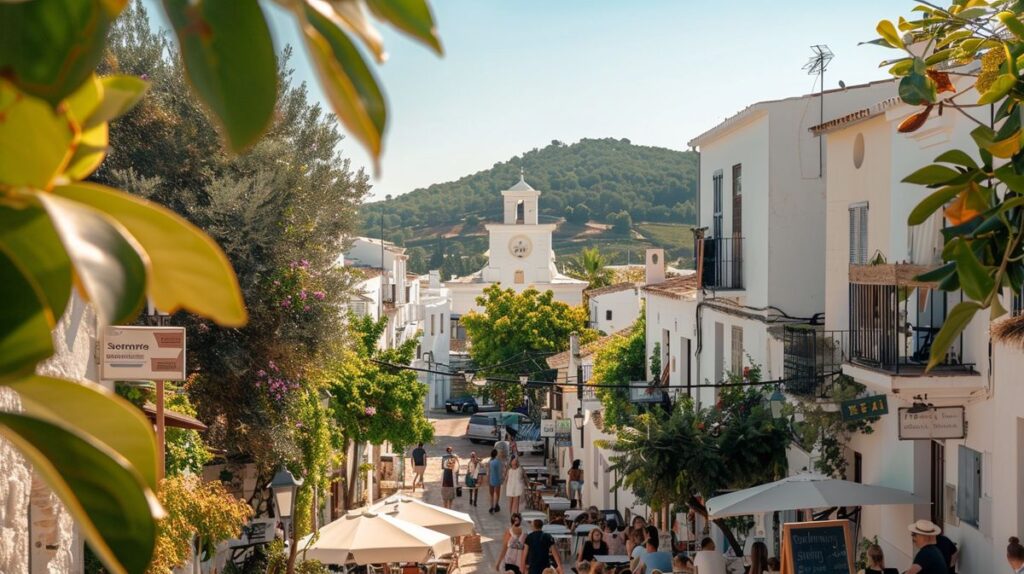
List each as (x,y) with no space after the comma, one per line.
(435,343)
(614,307)
(761,206)
(884,321)
(385,289)
(520,255)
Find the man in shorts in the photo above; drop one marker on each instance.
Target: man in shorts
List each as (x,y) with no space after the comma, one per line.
(419,465)
(451,465)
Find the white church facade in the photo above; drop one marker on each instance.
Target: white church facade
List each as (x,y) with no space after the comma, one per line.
(520,256)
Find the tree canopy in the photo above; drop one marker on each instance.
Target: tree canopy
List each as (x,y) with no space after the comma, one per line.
(620,361)
(515,331)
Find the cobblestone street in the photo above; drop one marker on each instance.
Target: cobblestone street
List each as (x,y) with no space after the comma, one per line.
(449,431)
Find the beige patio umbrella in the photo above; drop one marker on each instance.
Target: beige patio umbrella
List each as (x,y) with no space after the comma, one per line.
(444,520)
(367,537)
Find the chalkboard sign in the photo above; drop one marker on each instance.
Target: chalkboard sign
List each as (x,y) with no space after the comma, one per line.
(824,547)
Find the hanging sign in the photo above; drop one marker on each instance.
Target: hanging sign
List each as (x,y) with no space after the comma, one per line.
(142,354)
(933,423)
(547,427)
(563,432)
(864,408)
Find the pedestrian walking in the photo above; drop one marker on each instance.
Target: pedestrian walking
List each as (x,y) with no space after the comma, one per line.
(515,480)
(929,559)
(512,547)
(419,465)
(473,472)
(1015,555)
(448,471)
(540,551)
(576,484)
(495,474)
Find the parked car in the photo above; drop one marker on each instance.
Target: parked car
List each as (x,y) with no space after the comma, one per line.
(483,428)
(467,404)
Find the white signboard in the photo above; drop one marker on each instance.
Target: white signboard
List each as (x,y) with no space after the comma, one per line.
(934,423)
(547,427)
(142,354)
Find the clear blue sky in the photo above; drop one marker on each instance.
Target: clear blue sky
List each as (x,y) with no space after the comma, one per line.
(518,74)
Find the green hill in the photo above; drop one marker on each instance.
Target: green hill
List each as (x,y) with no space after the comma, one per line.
(608,193)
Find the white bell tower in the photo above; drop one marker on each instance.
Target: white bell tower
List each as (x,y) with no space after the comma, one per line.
(521,203)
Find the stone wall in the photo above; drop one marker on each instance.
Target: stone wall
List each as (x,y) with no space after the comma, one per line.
(52,544)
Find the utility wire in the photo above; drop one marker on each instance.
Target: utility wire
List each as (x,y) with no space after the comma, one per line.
(567,383)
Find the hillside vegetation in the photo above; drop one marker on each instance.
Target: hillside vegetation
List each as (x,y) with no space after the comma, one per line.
(608,193)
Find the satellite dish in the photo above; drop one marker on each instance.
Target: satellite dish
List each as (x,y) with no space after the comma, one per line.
(842,84)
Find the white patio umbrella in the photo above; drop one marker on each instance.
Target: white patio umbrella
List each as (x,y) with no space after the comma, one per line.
(806,490)
(365,537)
(444,520)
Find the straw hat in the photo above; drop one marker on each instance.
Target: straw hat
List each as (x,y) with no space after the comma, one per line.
(925,528)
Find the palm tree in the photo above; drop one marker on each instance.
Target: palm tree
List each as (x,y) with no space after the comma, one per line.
(591,267)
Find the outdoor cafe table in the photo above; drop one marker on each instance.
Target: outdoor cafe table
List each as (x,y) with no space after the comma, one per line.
(556,503)
(613,559)
(531,515)
(573,514)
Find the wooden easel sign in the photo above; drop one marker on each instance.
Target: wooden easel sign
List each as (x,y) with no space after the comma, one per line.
(823,547)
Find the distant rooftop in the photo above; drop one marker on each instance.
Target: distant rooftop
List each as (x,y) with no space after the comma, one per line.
(676,288)
(625,285)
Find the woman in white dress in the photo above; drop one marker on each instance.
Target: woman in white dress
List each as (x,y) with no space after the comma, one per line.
(515,484)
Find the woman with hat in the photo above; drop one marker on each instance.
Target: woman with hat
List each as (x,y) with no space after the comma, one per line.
(929,559)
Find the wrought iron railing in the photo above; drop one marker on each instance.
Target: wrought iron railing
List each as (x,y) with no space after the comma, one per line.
(811,359)
(723,263)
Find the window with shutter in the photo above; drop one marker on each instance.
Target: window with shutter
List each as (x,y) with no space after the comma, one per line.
(716,184)
(859,234)
(968,488)
(737,350)
(719,351)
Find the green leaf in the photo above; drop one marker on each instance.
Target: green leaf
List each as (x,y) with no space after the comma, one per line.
(939,56)
(932,175)
(28,238)
(957,157)
(1009,19)
(229,60)
(937,274)
(999,88)
(187,268)
(917,89)
(89,152)
(83,102)
(933,202)
(975,279)
(91,409)
(984,136)
(105,257)
(49,47)
(115,511)
(1011,178)
(996,310)
(888,32)
(24,322)
(350,86)
(956,321)
(35,143)
(902,68)
(412,17)
(120,94)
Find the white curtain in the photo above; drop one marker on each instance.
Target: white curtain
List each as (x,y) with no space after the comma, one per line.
(925,241)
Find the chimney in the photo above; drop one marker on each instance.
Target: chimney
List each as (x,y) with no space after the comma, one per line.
(654,271)
(435,279)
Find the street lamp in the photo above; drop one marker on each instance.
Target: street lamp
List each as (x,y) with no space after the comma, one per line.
(284,486)
(777,402)
(578,420)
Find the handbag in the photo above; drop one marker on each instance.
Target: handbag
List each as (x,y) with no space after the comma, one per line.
(458,491)
(471,481)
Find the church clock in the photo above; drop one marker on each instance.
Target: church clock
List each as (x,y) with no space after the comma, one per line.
(520,246)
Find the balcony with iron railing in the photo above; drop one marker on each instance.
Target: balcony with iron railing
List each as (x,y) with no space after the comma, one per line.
(722,267)
(811,359)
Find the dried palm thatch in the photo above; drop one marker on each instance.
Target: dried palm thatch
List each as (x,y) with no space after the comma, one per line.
(1009,331)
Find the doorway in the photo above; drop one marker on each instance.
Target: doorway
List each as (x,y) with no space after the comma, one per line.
(938,481)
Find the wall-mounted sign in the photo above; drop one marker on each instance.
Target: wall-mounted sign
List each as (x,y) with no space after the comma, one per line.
(563,432)
(864,408)
(933,423)
(547,427)
(142,354)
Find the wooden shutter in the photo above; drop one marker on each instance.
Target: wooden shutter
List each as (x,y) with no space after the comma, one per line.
(859,234)
(968,488)
(737,350)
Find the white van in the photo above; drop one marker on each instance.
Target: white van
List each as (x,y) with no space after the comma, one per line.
(483,429)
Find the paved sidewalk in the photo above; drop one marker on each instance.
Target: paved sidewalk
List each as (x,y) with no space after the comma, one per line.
(448,431)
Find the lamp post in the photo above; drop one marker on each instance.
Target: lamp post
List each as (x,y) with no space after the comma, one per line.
(285,487)
(777,401)
(578,420)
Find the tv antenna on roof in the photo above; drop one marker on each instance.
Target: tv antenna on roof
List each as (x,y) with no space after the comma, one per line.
(816,66)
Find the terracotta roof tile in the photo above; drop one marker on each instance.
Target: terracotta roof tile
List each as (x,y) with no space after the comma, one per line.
(610,289)
(677,287)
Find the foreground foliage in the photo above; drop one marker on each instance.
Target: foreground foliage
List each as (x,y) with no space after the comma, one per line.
(58,231)
(981,193)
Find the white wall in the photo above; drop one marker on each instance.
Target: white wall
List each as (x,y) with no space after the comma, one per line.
(56,546)
(624,306)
